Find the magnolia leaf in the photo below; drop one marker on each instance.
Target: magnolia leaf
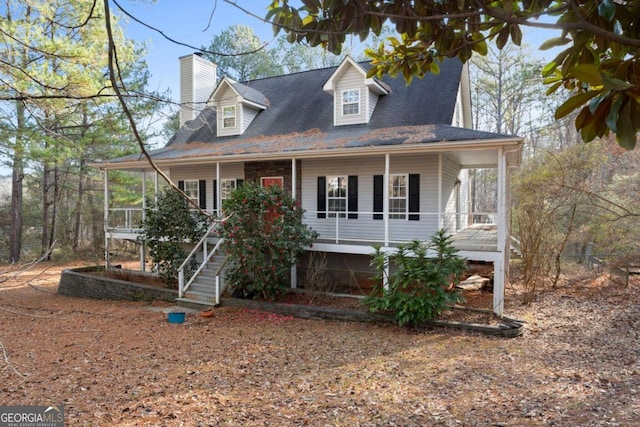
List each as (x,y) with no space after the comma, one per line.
(614,114)
(574,102)
(607,9)
(595,102)
(612,83)
(626,133)
(554,42)
(589,73)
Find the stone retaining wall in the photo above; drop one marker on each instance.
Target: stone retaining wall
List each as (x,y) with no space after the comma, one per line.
(78,283)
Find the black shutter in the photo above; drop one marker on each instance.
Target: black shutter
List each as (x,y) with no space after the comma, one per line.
(181,185)
(215,194)
(239,183)
(414,196)
(202,193)
(322,197)
(352,197)
(378,195)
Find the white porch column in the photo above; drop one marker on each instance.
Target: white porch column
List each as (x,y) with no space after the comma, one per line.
(385,213)
(155,190)
(499,272)
(218,195)
(440,223)
(385,198)
(294,267)
(106,218)
(144,207)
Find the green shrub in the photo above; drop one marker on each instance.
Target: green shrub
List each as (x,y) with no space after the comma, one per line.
(166,227)
(419,285)
(264,235)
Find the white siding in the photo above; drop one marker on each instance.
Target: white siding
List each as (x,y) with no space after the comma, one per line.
(248,114)
(197,82)
(373,101)
(365,227)
(228,97)
(350,79)
(450,172)
(208,173)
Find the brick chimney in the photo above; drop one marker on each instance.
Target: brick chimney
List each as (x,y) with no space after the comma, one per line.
(198,79)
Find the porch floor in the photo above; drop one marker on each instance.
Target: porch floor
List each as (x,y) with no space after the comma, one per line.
(475,238)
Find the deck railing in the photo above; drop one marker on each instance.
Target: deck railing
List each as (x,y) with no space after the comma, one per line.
(365,227)
(185,279)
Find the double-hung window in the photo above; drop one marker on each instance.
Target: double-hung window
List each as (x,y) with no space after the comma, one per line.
(398,196)
(227,186)
(192,189)
(229,116)
(337,196)
(351,102)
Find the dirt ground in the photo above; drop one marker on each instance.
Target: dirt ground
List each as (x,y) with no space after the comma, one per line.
(121,363)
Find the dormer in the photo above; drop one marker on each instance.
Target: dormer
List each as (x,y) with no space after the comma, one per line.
(236,106)
(354,94)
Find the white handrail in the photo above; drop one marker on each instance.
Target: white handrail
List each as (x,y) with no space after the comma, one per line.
(182,287)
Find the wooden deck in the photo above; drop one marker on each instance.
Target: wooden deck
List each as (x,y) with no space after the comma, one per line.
(477,238)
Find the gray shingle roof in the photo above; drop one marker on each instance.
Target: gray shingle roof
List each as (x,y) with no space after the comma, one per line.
(251,94)
(300,118)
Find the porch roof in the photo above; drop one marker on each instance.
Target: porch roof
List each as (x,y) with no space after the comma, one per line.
(471,147)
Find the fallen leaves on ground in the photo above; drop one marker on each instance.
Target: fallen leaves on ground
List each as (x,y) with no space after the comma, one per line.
(121,363)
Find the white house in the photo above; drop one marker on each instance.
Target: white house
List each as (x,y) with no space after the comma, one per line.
(372,161)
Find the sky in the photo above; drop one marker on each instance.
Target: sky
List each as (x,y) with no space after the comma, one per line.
(196,22)
(192,22)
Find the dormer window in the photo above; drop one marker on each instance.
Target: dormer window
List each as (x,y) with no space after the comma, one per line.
(351,102)
(229,117)
(354,94)
(236,106)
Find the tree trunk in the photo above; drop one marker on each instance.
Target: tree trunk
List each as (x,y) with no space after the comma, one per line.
(15,233)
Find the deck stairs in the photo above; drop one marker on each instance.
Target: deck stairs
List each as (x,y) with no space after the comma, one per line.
(203,287)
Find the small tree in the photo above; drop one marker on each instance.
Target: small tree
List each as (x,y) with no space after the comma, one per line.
(167,225)
(420,281)
(264,235)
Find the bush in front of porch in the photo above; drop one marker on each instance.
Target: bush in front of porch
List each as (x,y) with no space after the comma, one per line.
(169,223)
(264,235)
(419,277)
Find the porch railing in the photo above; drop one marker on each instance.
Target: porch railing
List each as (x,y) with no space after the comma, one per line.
(338,228)
(202,246)
(125,219)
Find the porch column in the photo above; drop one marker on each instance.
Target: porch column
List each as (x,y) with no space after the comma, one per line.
(144,206)
(385,198)
(385,213)
(106,218)
(501,220)
(155,190)
(294,267)
(218,195)
(439,191)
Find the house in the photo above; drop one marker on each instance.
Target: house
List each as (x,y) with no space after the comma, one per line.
(372,161)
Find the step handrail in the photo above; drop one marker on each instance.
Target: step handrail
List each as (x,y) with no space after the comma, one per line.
(182,286)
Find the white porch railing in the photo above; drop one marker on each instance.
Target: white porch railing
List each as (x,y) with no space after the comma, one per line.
(124,219)
(201,247)
(338,228)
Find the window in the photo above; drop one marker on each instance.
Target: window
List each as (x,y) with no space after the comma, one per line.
(229,116)
(351,102)
(404,196)
(226,188)
(337,196)
(269,181)
(191,189)
(398,191)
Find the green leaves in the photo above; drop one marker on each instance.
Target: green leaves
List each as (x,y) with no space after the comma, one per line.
(418,286)
(601,39)
(264,234)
